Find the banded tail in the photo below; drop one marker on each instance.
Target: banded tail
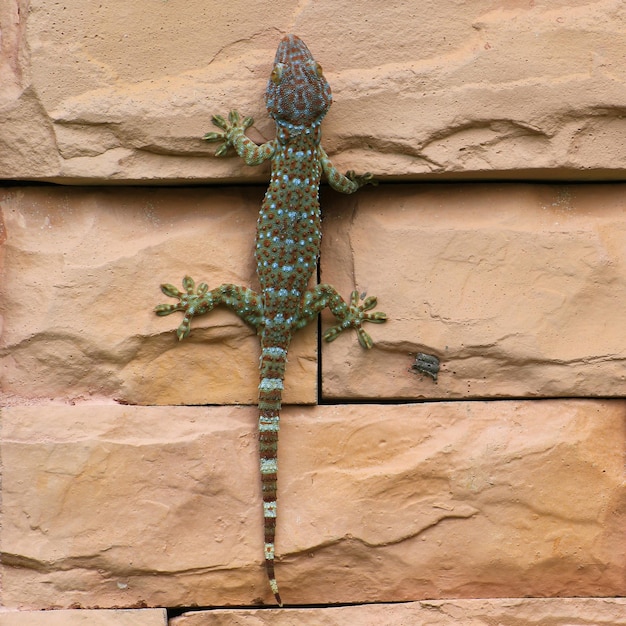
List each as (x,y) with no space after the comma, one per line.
(273,360)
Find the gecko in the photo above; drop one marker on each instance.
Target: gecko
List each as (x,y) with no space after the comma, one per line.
(288,239)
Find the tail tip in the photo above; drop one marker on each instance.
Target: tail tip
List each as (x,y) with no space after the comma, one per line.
(274,586)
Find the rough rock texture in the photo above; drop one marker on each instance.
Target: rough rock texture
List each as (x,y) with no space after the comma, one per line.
(528,89)
(518,289)
(82,269)
(526,612)
(158,506)
(121,617)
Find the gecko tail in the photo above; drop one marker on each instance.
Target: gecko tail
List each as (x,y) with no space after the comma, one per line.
(268,431)
(272,373)
(274,586)
(269,566)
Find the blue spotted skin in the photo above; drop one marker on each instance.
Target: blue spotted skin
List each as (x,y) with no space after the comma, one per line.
(287,247)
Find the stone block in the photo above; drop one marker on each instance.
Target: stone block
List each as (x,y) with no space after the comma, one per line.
(103,617)
(82,269)
(532,89)
(518,289)
(120,506)
(506,612)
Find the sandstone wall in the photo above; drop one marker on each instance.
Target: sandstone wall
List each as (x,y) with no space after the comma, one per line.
(119,91)
(496,241)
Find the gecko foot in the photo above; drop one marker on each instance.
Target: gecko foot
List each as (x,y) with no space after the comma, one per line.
(191,302)
(353,317)
(361,179)
(234,125)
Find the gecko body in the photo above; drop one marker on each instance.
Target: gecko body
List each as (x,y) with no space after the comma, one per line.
(287,248)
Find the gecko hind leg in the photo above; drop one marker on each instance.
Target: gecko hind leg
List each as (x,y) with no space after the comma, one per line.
(350,315)
(241,300)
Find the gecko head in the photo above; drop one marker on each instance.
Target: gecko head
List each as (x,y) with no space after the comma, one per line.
(297,92)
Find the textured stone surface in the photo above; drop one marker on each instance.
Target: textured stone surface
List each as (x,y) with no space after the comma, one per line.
(518,289)
(508,612)
(121,617)
(155,506)
(533,88)
(82,269)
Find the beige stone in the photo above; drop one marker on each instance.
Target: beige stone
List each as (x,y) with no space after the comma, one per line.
(27,145)
(82,269)
(525,89)
(115,506)
(518,289)
(120,617)
(507,612)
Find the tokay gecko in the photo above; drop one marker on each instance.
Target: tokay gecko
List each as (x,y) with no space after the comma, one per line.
(287,247)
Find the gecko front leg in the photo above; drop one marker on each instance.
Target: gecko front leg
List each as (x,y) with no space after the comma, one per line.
(241,300)
(344,183)
(350,315)
(234,135)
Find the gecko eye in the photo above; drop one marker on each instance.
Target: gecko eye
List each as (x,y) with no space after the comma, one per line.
(316,68)
(277,73)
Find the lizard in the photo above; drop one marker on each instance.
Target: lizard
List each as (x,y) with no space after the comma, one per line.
(287,248)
